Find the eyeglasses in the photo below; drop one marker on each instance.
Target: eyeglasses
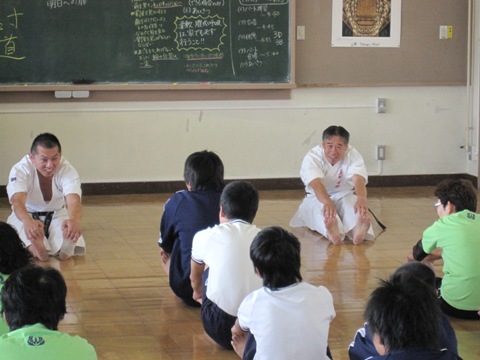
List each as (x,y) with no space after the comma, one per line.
(437,204)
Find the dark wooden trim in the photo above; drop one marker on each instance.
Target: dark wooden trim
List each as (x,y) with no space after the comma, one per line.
(147,95)
(159,187)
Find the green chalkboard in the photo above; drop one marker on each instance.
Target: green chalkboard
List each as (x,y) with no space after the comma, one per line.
(141,41)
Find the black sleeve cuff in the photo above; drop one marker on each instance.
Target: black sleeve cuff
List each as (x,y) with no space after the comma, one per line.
(418,253)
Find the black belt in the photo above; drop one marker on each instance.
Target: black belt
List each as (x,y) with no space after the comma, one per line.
(46,222)
(41,213)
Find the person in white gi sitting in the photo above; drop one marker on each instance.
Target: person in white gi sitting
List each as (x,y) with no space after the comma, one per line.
(45,193)
(335,179)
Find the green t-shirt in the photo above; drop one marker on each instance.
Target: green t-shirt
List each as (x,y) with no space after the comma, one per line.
(458,235)
(3,327)
(35,342)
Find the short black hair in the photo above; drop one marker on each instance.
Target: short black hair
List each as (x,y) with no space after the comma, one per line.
(414,270)
(32,295)
(405,315)
(275,254)
(13,254)
(204,171)
(335,130)
(239,200)
(46,140)
(460,192)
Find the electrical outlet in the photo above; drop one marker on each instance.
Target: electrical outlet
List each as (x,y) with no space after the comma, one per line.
(380,152)
(381,105)
(472,152)
(300,32)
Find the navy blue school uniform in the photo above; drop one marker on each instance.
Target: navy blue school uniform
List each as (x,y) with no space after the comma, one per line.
(184,214)
(419,355)
(362,347)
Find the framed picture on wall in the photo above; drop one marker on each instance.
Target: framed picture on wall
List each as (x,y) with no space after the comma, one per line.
(366,23)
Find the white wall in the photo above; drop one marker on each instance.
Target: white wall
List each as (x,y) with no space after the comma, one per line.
(474,93)
(423,130)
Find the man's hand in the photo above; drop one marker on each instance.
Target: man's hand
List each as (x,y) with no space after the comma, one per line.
(361,206)
(329,210)
(34,229)
(71,230)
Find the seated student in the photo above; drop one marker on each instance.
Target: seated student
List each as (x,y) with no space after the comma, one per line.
(13,256)
(33,300)
(362,347)
(186,213)
(404,321)
(457,234)
(224,251)
(286,318)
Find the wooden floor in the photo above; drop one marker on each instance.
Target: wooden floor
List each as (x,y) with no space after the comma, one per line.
(119,299)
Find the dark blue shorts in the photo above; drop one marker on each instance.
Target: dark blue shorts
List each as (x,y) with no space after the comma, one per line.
(216,322)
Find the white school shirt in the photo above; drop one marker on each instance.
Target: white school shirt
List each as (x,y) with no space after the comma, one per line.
(24,178)
(337,178)
(225,248)
(289,323)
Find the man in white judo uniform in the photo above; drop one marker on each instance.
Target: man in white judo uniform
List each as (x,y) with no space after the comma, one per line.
(45,193)
(335,179)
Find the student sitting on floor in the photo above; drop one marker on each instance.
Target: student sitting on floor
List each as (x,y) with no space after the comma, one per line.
(186,213)
(362,347)
(457,234)
(403,317)
(13,256)
(222,256)
(34,302)
(286,318)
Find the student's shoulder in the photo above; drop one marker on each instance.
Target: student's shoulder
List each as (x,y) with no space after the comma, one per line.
(316,291)
(177,197)
(419,355)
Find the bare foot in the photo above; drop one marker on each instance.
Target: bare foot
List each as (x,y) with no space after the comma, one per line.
(361,229)
(333,234)
(238,343)
(38,250)
(62,256)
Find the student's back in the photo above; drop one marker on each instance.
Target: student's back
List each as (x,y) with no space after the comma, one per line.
(186,213)
(418,355)
(363,347)
(34,302)
(286,318)
(35,342)
(289,323)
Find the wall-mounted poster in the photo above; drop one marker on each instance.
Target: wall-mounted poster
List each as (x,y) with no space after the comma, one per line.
(366,23)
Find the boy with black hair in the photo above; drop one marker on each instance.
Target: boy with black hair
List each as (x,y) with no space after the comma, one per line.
(221,272)
(186,213)
(33,300)
(404,321)
(286,318)
(13,256)
(457,234)
(362,346)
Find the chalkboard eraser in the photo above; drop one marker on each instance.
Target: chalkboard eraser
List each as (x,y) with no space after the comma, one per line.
(80,94)
(60,94)
(83,81)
